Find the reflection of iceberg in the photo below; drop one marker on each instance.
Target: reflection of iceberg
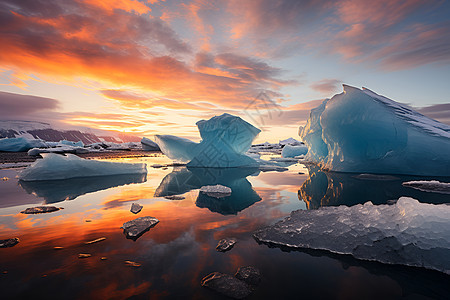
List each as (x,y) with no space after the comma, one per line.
(225,139)
(183,179)
(360,131)
(55,167)
(408,232)
(332,189)
(59,190)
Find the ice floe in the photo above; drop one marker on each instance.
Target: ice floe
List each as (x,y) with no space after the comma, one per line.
(407,232)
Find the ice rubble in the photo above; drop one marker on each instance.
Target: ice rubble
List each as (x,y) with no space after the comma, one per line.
(149,145)
(408,232)
(20,144)
(225,140)
(293,151)
(55,166)
(429,186)
(360,131)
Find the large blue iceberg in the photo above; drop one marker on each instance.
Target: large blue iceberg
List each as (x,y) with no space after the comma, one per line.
(361,131)
(225,140)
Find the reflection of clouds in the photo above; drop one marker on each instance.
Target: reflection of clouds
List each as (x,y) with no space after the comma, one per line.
(128,195)
(285,180)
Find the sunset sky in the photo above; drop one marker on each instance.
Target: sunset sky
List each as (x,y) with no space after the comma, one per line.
(157,67)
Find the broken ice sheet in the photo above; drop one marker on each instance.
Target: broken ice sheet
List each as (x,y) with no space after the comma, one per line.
(407,232)
(432,186)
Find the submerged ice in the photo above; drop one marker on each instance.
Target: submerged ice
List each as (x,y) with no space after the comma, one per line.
(408,232)
(225,140)
(54,167)
(361,131)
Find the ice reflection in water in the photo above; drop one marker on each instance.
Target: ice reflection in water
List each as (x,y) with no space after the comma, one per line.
(177,253)
(53,191)
(333,189)
(184,179)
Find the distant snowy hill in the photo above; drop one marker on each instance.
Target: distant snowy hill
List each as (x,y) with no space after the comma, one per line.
(44,131)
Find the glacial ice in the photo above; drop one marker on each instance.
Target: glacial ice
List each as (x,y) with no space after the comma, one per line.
(20,144)
(225,140)
(54,166)
(360,131)
(293,151)
(408,232)
(149,145)
(70,143)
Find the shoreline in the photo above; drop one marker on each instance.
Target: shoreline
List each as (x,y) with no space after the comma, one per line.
(23,157)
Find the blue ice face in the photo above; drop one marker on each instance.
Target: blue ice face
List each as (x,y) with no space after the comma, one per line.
(360,131)
(225,139)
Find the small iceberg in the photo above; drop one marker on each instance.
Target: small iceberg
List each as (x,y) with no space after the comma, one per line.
(293,151)
(225,140)
(54,167)
(407,232)
(360,131)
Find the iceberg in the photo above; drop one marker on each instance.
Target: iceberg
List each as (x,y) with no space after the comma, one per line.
(54,166)
(407,233)
(225,140)
(293,151)
(20,144)
(149,145)
(70,143)
(361,131)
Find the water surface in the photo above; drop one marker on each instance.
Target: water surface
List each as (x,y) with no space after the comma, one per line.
(179,251)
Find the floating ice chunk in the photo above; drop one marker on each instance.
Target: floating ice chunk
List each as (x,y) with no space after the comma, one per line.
(20,144)
(54,166)
(9,242)
(134,229)
(293,151)
(226,139)
(70,143)
(429,186)
(60,149)
(40,210)
(216,191)
(227,285)
(360,131)
(225,244)
(149,145)
(407,232)
(136,208)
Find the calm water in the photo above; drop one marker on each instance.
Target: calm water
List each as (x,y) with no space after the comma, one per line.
(179,251)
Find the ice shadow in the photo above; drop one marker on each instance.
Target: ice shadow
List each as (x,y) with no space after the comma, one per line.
(185,179)
(69,189)
(333,189)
